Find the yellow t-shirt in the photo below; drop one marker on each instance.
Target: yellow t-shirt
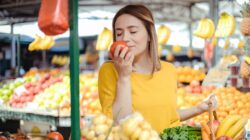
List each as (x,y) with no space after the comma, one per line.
(155,98)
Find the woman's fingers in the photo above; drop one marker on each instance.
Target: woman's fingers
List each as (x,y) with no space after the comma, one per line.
(117,51)
(123,52)
(213,101)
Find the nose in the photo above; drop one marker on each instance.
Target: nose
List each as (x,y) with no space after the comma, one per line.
(126,37)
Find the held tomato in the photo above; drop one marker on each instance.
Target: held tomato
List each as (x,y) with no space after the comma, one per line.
(117,43)
(55,136)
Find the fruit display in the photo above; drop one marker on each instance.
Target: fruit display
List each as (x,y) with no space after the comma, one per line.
(196,88)
(100,128)
(55,136)
(226,25)
(187,74)
(245,23)
(244,69)
(170,57)
(57,96)
(230,102)
(232,126)
(7,89)
(136,127)
(133,127)
(37,72)
(60,60)
(205,29)
(40,43)
(28,92)
(181,133)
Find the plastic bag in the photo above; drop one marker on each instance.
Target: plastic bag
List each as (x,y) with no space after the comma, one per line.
(53,17)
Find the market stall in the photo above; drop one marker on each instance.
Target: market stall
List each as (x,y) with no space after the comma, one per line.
(64,93)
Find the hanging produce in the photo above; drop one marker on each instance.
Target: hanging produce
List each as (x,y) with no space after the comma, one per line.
(53,17)
(190,53)
(245,23)
(208,53)
(205,29)
(40,43)
(170,57)
(214,41)
(163,34)
(176,48)
(241,44)
(104,39)
(227,44)
(226,25)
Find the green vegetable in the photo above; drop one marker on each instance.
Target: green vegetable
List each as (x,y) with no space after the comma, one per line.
(181,133)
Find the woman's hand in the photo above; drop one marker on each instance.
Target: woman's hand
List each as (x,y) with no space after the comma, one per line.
(123,61)
(211,100)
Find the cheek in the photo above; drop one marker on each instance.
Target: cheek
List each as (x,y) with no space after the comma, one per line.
(142,42)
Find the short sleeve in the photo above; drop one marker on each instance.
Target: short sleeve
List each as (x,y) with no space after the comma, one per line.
(107,78)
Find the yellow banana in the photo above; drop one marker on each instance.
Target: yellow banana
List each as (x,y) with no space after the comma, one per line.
(46,41)
(197,31)
(176,48)
(211,28)
(247,59)
(35,43)
(241,44)
(236,137)
(232,24)
(214,41)
(236,127)
(226,25)
(226,124)
(205,28)
(104,39)
(163,34)
(227,44)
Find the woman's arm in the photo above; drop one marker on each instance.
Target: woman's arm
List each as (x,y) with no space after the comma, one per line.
(186,114)
(122,105)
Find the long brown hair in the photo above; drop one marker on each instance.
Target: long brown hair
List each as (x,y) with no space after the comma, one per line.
(144,14)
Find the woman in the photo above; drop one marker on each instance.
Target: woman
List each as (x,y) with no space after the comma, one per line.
(136,80)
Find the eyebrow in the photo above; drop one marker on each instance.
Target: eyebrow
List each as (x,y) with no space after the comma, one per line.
(131,26)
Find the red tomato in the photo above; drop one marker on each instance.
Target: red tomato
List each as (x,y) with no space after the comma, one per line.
(117,43)
(55,136)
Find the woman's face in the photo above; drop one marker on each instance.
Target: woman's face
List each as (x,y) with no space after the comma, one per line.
(131,30)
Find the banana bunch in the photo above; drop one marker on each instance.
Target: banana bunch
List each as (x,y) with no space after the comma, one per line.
(163,34)
(176,48)
(104,39)
(227,44)
(205,29)
(241,44)
(232,126)
(40,43)
(226,25)
(60,60)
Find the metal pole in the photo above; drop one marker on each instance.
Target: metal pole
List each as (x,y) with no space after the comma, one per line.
(18,56)
(190,27)
(214,11)
(74,69)
(13,47)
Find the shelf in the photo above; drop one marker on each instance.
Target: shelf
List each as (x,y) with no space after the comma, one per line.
(48,117)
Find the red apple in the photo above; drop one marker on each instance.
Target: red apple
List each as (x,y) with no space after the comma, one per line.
(55,136)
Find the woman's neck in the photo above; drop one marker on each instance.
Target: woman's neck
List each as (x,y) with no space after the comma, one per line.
(143,63)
